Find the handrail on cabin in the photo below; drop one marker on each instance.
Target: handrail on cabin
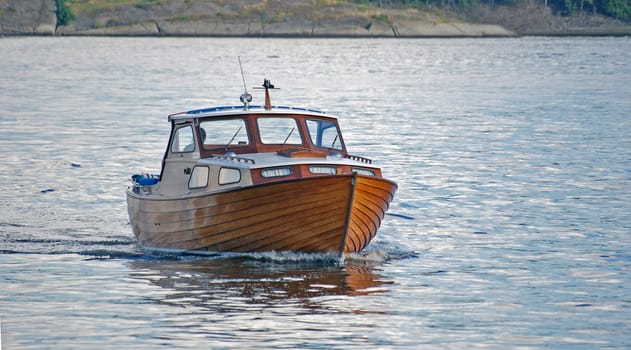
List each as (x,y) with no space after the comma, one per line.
(232,158)
(359,159)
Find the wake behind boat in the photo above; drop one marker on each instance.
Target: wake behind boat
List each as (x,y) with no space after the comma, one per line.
(258,178)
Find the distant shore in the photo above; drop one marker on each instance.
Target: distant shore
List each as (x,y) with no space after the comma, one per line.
(301,20)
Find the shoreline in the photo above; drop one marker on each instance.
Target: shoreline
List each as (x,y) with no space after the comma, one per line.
(613,34)
(216,19)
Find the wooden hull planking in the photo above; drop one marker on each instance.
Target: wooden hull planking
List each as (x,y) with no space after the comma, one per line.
(371,200)
(331,213)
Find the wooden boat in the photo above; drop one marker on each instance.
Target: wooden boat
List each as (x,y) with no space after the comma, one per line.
(258,178)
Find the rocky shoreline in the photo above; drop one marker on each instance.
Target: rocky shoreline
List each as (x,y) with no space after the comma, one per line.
(303,19)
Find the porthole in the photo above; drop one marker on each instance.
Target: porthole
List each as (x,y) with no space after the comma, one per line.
(323,170)
(275,172)
(364,171)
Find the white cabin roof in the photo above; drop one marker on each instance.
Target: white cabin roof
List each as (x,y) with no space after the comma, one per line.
(236,110)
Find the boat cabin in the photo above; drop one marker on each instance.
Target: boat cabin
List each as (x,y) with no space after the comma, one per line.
(226,147)
(220,148)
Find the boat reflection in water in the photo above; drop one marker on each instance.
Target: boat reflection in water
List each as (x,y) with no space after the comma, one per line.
(226,284)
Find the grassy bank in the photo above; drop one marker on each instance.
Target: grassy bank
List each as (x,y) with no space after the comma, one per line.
(308,18)
(302,17)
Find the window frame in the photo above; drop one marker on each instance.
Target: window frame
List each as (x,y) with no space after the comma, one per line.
(219,176)
(176,139)
(196,167)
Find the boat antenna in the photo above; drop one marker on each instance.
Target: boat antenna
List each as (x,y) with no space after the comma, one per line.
(245,97)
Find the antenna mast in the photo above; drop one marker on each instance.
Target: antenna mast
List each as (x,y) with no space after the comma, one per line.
(267,85)
(245,97)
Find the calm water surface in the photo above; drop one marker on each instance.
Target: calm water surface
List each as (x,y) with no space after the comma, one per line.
(513,158)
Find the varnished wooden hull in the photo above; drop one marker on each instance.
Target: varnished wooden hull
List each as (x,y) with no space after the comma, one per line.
(371,200)
(339,213)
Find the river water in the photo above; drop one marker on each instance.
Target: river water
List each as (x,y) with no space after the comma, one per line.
(511,225)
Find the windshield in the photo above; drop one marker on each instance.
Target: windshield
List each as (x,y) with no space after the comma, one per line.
(324,134)
(224,133)
(283,131)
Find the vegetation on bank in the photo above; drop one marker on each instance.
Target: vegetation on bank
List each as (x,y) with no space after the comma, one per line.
(64,13)
(618,9)
(90,6)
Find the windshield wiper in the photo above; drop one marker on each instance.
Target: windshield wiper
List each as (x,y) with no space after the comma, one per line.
(233,137)
(287,138)
(334,140)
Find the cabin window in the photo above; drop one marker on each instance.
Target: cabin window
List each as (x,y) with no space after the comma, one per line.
(279,131)
(276,172)
(183,140)
(229,176)
(199,177)
(323,169)
(324,134)
(364,171)
(224,133)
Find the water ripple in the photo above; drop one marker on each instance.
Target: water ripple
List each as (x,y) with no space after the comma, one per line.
(510,227)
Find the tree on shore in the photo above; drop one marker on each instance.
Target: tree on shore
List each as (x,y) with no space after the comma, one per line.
(64,14)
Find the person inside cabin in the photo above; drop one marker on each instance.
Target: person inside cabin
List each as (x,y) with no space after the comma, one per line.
(191,147)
